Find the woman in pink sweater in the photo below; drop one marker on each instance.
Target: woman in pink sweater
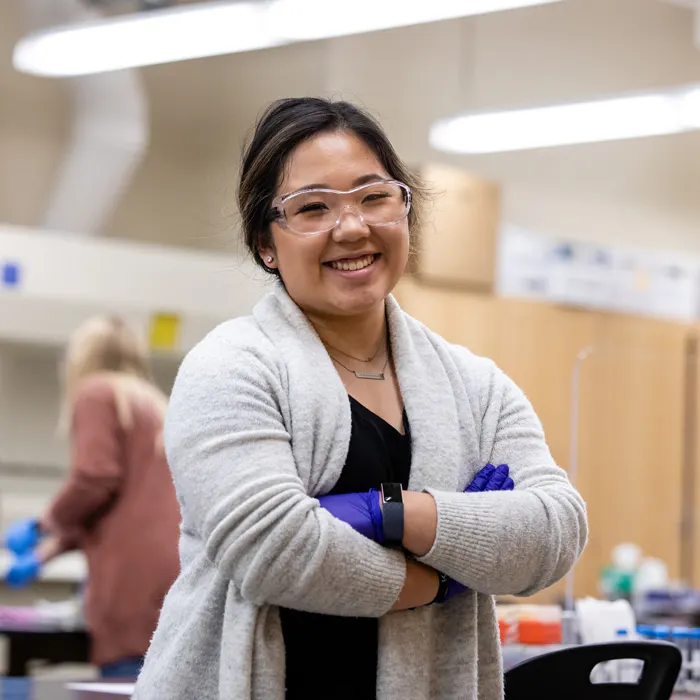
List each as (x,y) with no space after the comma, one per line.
(118,504)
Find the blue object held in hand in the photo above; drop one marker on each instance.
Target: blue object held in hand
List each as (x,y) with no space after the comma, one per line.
(359,510)
(22,536)
(24,570)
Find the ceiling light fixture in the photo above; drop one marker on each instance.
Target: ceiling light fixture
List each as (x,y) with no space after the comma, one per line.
(144,38)
(303,20)
(622,117)
(216,28)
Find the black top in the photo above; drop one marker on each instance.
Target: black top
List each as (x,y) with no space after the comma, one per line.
(336,657)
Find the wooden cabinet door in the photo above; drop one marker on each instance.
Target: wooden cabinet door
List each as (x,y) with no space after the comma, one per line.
(631,441)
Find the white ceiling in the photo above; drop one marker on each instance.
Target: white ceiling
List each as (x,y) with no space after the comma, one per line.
(201,110)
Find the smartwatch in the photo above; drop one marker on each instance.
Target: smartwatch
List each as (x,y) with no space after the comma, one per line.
(392,514)
(443,588)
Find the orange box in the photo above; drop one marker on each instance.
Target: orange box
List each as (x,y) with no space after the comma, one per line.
(539,632)
(529,624)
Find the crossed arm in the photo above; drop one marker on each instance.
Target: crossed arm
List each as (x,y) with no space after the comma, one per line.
(242,496)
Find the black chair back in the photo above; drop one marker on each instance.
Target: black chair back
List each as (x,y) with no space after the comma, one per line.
(566,674)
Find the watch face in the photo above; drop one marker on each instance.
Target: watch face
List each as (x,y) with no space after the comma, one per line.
(392,493)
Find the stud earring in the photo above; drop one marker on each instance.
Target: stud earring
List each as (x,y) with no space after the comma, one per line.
(269,258)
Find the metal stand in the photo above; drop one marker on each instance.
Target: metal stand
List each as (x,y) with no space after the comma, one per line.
(582,355)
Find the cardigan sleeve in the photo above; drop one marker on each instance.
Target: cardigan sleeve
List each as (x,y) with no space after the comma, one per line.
(241,494)
(97,469)
(515,542)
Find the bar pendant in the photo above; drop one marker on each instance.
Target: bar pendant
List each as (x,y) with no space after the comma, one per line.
(369,375)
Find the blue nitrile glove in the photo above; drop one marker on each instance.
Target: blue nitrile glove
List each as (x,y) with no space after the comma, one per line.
(22,536)
(491,478)
(24,570)
(359,510)
(363,513)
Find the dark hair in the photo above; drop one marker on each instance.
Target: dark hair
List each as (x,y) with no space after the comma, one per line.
(283,126)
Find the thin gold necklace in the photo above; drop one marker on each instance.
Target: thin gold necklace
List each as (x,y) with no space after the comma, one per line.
(377,376)
(358,359)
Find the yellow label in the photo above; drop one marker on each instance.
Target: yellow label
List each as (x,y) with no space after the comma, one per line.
(164,333)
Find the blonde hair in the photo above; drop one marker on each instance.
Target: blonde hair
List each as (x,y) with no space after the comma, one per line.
(108,346)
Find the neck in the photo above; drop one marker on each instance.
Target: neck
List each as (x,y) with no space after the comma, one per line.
(359,336)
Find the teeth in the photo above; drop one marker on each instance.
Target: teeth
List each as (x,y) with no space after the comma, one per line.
(353,264)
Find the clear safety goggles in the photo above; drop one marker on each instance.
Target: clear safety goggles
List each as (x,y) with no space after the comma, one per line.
(316,211)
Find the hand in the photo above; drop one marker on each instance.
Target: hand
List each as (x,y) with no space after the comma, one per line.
(24,570)
(22,536)
(363,513)
(359,510)
(491,478)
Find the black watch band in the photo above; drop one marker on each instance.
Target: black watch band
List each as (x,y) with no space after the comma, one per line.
(443,583)
(392,514)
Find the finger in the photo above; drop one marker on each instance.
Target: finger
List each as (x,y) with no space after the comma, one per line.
(497,480)
(375,515)
(481,479)
(508,485)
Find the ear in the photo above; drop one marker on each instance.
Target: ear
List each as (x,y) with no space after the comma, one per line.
(267,255)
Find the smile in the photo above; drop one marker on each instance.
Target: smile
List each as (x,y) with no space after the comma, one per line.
(353,264)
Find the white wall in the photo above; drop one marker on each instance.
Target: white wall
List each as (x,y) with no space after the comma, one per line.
(29,401)
(650,224)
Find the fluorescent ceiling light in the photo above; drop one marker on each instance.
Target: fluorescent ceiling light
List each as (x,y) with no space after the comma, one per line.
(320,19)
(145,38)
(627,117)
(215,28)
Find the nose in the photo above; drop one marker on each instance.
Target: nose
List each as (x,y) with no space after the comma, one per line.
(350,227)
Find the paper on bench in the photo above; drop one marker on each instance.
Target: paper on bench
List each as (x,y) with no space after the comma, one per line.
(107,688)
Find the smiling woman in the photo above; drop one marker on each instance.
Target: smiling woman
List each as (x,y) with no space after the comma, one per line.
(343,528)
(323,218)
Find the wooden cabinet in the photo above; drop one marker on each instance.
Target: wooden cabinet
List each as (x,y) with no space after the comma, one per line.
(632,410)
(631,454)
(458,232)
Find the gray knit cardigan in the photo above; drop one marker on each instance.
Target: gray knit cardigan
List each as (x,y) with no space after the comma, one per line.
(258,426)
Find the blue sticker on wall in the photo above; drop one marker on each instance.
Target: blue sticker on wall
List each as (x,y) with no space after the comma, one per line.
(10,274)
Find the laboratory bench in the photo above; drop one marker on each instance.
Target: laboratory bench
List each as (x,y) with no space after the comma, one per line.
(33,689)
(36,689)
(41,642)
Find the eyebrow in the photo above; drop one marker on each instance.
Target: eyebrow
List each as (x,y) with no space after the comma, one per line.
(362,180)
